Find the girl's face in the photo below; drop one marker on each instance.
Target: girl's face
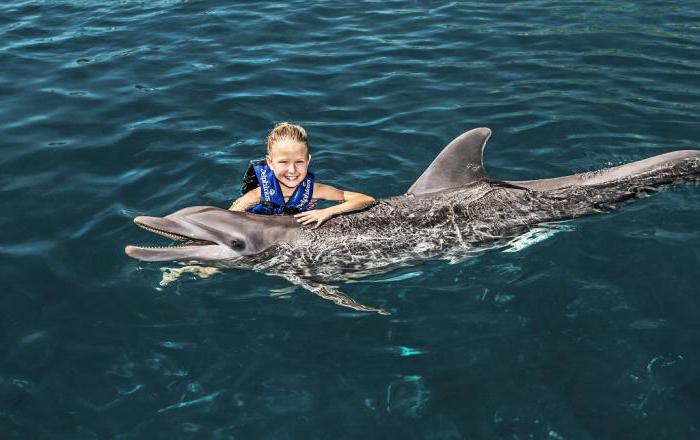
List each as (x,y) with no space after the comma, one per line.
(289,160)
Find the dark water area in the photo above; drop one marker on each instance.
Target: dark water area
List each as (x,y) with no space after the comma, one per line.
(117,109)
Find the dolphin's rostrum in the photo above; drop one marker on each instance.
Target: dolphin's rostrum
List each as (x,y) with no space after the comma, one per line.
(453,209)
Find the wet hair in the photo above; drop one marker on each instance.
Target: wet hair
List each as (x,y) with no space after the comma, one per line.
(287,130)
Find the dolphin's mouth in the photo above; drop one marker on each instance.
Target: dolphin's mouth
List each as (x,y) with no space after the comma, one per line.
(187,249)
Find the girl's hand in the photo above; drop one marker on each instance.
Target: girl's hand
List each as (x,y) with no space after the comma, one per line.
(316,215)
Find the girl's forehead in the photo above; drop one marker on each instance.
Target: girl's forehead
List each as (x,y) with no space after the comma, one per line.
(289,147)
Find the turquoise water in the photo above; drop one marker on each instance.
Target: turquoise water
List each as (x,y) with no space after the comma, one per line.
(116,109)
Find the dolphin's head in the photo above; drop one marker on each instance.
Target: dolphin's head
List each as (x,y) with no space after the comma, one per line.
(213,234)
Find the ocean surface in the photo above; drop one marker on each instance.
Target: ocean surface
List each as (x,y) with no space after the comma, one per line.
(117,109)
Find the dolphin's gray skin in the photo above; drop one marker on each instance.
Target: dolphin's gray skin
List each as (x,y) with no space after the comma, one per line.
(452,209)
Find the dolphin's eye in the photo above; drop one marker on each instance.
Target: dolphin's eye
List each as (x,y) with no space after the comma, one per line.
(237,245)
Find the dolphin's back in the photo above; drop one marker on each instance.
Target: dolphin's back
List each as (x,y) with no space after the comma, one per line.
(657,167)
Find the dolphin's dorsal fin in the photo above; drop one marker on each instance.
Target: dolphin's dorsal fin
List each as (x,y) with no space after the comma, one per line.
(458,164)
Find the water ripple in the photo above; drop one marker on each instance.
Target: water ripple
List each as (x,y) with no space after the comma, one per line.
(112,110)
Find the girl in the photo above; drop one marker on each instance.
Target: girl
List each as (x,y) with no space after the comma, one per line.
(283,184)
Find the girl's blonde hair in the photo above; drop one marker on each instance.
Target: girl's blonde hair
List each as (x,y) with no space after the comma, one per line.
(287,130)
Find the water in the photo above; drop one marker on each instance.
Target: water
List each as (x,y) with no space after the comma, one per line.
(115,109)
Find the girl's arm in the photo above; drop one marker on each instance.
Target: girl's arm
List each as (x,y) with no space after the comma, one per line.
(246,201)
(351,201)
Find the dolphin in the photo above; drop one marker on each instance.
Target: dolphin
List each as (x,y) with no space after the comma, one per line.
(452,210)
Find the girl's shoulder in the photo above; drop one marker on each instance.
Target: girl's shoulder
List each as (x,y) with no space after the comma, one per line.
(253,193)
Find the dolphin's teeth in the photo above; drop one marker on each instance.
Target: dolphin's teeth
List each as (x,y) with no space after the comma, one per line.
(170,235)
(188,240)
(176,246)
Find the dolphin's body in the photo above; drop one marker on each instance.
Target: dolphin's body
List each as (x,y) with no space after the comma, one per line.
(453,209)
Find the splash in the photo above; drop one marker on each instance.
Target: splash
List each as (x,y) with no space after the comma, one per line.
(172,274)
(535,236)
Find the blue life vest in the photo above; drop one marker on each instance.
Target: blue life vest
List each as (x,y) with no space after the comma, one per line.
(271,198)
